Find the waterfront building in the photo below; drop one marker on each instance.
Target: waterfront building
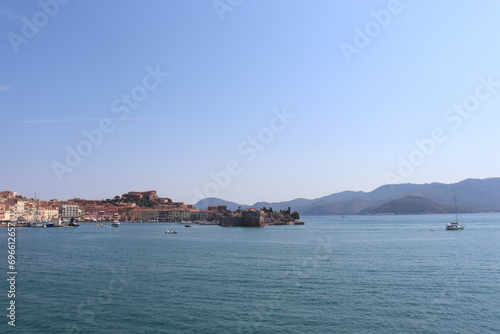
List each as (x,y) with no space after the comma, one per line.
(147,214)
(249,218)
(4,212)
(30,211)
(253,217)
(16,209)
(201,215)
(180,214)
(169,214)
(47,212)
(70,211)
(100,212)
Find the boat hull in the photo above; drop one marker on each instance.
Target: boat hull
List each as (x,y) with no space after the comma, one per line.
(454,227)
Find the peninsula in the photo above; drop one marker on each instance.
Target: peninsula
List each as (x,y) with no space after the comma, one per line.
(135,206)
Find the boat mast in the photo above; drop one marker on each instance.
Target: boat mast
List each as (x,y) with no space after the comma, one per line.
(35,213)
(456,210)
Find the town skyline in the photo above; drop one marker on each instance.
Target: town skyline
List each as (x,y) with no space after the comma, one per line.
(171,198)
(134,206)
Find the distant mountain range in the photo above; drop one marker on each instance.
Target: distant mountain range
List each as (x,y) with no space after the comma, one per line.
(473,195)
(411,205)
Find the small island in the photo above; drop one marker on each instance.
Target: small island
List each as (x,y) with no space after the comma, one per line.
(258,218)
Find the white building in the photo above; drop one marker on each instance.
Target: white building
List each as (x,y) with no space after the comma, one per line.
(47,213)
(4,212)
(69,211)
(16,211)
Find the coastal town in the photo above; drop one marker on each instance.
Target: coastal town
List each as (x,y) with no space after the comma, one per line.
(134,206)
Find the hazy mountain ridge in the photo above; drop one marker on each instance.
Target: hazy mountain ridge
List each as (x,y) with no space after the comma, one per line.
(411,205)
(473,195)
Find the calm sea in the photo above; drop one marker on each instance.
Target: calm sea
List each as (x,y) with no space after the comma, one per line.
(358,274)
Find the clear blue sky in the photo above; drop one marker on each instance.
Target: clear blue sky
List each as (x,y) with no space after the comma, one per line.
(353,115)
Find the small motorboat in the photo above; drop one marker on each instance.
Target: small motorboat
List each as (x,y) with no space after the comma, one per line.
(73,222)
(170,232)
(187,225)
(115,223)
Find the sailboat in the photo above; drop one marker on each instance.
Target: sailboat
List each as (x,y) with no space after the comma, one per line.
(454,226)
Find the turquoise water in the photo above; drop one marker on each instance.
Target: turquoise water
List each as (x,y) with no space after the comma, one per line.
(358,274)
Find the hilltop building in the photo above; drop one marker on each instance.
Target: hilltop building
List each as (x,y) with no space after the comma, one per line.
(149,195)
(8,194)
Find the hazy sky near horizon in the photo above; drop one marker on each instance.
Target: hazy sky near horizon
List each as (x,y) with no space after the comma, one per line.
(246,100)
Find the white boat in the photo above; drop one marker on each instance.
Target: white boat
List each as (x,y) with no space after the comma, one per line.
(115,223)
(170,232)
(454,226)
